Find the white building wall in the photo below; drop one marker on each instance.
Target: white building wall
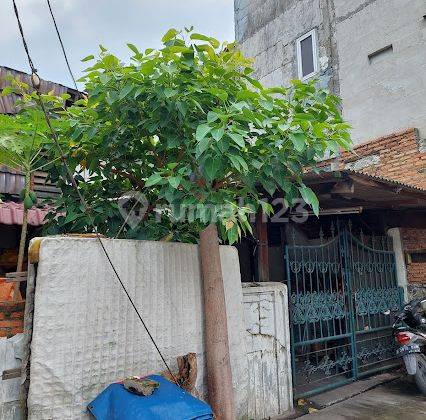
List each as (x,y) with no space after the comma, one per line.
(380,96)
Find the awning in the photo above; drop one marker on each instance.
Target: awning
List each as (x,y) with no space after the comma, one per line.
(346,188)
(12,214)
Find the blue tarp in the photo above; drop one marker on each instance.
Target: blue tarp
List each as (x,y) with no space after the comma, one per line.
(168,402)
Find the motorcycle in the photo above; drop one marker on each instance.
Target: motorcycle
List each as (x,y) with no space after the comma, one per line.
(410,333)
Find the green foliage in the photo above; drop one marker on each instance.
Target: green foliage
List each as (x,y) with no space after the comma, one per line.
(24,140)
(189,127)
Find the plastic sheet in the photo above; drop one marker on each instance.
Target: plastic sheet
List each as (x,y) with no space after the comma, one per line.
(168,402)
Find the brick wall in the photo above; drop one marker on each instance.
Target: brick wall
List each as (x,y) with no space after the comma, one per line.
(397,156)
(11,318)
(414,240)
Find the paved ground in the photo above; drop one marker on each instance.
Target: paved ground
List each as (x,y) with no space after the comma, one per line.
(398,399)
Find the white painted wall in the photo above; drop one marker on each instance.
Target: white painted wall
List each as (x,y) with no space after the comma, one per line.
(86,335)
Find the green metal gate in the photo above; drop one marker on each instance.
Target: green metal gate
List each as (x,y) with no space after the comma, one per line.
(339,290)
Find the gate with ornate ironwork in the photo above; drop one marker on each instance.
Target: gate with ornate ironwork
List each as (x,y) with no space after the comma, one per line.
(343,296)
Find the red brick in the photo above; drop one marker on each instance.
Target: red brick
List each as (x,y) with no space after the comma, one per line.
(11,323)
(400,158)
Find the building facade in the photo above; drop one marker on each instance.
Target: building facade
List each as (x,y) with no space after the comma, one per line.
(369,52)
(366,252)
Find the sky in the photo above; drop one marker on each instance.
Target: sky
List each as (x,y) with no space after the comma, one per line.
(84,24)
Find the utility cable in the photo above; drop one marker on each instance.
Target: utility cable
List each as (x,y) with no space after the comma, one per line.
(62,45)
(36,84)
(75,84)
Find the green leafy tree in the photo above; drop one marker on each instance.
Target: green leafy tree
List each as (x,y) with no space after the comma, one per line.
(189,127)
(24,146)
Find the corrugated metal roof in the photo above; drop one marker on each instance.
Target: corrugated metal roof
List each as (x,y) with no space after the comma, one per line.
(7,103)
(12,214)
(312,176)
(384,180)
(11,182)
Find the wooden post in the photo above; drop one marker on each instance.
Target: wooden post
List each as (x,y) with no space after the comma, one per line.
(263,253)
(219,375)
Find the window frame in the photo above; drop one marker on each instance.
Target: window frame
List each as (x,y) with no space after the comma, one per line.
(313,34)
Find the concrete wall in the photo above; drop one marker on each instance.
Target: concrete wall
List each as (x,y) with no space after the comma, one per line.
(380,96)
(387,93)
(267,30)
(86,335)
(268,349)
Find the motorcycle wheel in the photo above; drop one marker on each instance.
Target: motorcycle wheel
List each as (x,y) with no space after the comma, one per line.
(420,375)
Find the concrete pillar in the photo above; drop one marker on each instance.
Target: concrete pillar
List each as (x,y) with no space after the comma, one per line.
(401,270)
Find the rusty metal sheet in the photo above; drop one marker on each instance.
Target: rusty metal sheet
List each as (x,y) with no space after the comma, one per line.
(7,103)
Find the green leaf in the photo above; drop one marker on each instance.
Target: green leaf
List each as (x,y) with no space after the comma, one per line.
(71,217)
(238,162)
(138,92)
(238,138)
(298,140)
(202,131)
(257,164)
(240,105)
(234,162)
(220,93)
(217,133)
(266,207)
(268,105)
(153,179)
(254,82)
(169,92)
(269,186)
(182,107)
(202,146)
(211,167)
(306,117)
(88,58)
(310,198)
(174,181)
(170,34)
(212,41)
(233,234)
(242,162)
(133,48)
(125,91)
(212,116)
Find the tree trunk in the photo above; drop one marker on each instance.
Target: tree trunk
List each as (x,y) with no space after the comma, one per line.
(21,253)
(262,246)
(219,376)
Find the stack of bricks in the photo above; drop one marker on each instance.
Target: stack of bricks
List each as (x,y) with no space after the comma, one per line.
(11,318)
(414,240)
(398,156)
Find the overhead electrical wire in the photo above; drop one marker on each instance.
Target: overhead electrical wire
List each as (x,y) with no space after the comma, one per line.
(36,84)
(62,44)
